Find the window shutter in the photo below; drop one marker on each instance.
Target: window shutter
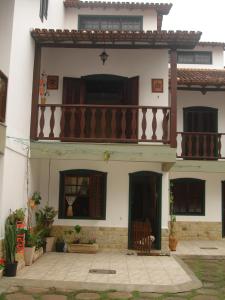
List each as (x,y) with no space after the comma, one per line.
(95,194)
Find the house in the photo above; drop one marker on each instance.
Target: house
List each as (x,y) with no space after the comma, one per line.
(94,119)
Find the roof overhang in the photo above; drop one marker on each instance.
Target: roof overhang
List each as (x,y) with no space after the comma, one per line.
(161,8)
(116,39)
(212,44)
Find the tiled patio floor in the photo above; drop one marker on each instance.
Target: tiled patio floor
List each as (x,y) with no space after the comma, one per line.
(142,273)
(201,248)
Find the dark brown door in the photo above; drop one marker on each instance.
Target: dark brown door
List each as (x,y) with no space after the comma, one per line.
(144,210)
(223,208)
(201,120)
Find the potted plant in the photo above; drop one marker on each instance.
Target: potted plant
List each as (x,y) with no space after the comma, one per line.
(59,245)
(44,219)
(35,200)
(30,244)
(172,227)
(10,247)
(39,244)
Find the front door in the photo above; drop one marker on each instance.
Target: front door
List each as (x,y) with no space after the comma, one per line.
(223,208)
(203,123)
(145,210)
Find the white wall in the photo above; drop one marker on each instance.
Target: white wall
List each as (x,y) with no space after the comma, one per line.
(213,197)
(6,21)
(149,16)
(217,58)
(117,198)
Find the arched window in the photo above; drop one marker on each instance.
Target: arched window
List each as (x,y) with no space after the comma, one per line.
(189,196)
(82,194)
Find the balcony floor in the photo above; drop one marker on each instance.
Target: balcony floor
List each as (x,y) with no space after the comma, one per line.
(118,152)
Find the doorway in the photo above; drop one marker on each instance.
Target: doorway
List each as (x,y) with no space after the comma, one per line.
(106,99)
(145,206)
(201,120)
(223,209)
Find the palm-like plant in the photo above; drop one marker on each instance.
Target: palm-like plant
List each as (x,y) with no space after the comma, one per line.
(10,242)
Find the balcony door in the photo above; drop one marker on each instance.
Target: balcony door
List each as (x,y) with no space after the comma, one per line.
(202,124)
(106,100)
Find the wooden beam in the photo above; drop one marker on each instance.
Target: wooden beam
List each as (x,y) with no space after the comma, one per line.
(35,93)
(200,89)
(173,117)
(159,21)
(167,166)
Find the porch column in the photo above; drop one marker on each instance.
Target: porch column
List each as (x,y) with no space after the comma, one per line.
(35,93)
(173,89)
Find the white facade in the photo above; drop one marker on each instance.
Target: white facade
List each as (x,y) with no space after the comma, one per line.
(17,63)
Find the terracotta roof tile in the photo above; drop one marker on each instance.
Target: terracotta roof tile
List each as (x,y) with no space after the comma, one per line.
(116,39)
(202,77)
(162,8)
(212,44)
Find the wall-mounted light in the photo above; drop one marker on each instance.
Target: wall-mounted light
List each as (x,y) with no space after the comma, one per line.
(104,56)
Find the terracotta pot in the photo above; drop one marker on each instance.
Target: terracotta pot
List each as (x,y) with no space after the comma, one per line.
(50,243)
(173,243)
(29,255)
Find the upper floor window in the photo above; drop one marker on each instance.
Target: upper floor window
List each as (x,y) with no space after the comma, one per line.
(82,194)
(194,57)
(3,96)
(189,196)
(126,23)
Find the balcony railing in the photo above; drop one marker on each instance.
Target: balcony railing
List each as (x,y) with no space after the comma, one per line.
(201,145)
(103,123)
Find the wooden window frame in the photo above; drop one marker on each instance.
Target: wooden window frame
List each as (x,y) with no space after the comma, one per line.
(194,54)
(3,98)
(119,17)
(81,172)
(202,204)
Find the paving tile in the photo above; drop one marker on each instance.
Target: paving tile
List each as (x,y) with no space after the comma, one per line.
(87,296)
(120,295)
(205,297)
(54,297)
(207,292)
(13,289)
(19,296)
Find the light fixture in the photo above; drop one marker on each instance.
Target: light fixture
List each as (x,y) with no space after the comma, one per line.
(104,56)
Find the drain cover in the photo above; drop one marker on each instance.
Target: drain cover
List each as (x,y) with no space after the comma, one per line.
(209,248)
(102,271)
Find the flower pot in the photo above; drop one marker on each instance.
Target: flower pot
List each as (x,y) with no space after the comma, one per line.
(29,255)
(10,269)
(59,246)
(50,242)
(173,243)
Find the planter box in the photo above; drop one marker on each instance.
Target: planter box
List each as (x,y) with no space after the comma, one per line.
(83,248)
(39,252)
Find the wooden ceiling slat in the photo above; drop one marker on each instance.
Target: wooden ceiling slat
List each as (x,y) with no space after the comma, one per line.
(177,39)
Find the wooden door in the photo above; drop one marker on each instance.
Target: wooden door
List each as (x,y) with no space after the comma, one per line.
(144,211)
(201,120)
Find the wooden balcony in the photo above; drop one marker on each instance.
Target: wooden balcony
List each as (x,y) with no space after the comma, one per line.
(201,145)
(103,123)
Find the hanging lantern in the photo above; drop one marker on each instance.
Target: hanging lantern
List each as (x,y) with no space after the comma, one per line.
(104,56)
